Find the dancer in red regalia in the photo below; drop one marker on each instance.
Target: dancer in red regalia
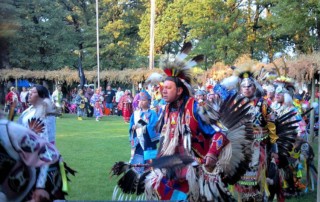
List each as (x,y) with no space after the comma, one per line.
(203,148)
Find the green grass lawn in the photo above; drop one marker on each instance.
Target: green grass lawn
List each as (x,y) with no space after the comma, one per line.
(92,147)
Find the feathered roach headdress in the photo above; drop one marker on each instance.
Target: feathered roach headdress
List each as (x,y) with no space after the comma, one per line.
(178,68)
(244,74)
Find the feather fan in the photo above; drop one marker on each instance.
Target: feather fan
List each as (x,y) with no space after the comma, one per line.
(231,115)
(286,131)
(36,125)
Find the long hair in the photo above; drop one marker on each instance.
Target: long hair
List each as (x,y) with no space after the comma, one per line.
(42,91)
(46,107)
(179,83)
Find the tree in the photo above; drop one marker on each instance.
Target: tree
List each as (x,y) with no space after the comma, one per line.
(119,34)
(215,26)
(296,23)
(44,39)
(8,27)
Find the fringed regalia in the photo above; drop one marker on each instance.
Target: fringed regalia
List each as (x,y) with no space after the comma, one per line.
(272,137)
(253,183)
(23,154)
(178,125)
(41,120)
(301,159)
(301,154)
(144,139)
(190,134)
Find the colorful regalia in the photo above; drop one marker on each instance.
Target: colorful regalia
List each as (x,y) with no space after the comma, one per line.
(269,138)
(251,184)
(144,137)
(125,105)
(46,115)
(42,121)
(96,101)
(301,156)
(202,149)
(28,161)
(80,100)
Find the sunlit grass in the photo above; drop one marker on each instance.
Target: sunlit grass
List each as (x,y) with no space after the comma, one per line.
(91,148)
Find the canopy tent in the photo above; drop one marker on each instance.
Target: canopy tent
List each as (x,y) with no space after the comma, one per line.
(24,83)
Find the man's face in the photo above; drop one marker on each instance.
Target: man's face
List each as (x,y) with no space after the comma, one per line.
(248,90)
(279,97)
(199,97)
(270,94)
(170,91)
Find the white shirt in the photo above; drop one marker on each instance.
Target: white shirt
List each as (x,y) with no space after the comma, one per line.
(23,96)
(119,94)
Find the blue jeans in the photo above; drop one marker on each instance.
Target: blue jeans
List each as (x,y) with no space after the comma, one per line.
(109,105)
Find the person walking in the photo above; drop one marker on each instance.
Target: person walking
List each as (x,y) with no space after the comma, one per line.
(96,103)
(125,105)
(56,97)
(110,97)
(40,118)
(23,100)
(88,94)
(202,148)
(119,94)
(80,101)
(12,100)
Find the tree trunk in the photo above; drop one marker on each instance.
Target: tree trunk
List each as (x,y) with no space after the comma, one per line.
(4,53)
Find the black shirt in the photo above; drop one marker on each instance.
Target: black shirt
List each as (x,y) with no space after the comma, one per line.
(110,94)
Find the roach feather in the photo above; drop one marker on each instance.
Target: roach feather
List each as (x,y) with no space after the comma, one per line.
(198,58)
(186,48)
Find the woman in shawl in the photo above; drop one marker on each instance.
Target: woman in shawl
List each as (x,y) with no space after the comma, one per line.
(125,105)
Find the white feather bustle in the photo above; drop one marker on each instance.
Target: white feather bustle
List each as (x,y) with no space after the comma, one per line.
(230,82)
(154,79)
